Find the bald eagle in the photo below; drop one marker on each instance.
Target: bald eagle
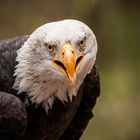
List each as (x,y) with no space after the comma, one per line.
(48,82)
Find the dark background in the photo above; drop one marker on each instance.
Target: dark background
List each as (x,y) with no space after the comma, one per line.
(116,24)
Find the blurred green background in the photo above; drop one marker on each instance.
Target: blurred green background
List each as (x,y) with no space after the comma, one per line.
(116,24)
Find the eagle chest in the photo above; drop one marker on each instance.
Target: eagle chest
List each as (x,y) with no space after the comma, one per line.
(43,126)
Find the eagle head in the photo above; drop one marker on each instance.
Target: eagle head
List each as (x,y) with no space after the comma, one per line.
(54,60)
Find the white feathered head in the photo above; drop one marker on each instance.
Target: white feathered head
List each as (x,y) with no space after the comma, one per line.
(54,60)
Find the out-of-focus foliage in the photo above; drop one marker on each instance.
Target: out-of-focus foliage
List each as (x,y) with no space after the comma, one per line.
(116,24)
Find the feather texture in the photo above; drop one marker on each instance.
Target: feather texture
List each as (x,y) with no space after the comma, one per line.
(65,120)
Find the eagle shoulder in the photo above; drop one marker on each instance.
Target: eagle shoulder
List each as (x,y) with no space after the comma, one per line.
(8,54)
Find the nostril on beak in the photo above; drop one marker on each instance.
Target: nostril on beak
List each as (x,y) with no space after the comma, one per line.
(64,53)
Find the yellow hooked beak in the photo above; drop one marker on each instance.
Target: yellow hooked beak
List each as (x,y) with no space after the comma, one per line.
(68,62)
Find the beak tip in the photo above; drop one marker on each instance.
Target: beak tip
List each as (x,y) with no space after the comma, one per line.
(72,80)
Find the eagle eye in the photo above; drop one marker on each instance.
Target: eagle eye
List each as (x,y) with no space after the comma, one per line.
(81,45)
(50,48)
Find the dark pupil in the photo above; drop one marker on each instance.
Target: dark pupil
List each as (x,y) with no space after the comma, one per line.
(50,47)
(81,42)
